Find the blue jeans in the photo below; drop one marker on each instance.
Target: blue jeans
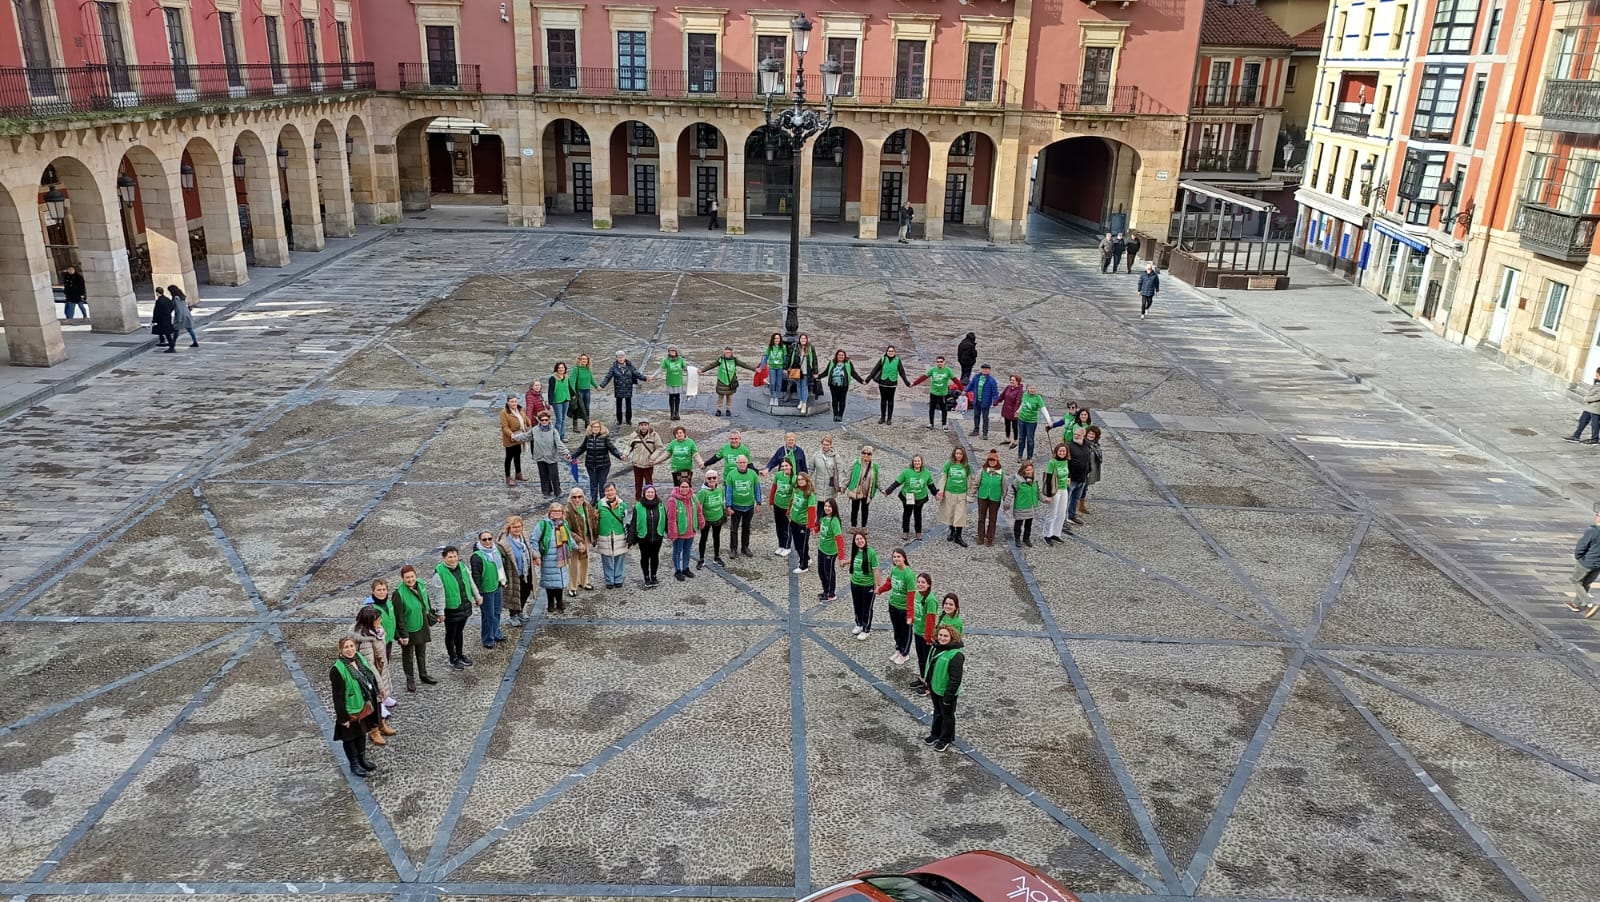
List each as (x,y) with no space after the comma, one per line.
(560,414)
(490,627)
(1075,494)
(80,305)
(1025,431)
(775,380)
(803,386)
(682,554)
(1592,420)
(615,567)
(980,421)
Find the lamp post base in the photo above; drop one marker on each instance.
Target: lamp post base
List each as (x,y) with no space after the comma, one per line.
(762,402)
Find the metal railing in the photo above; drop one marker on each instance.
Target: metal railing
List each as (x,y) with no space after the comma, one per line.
(1124,100)
(39,92)
(1571,99)
(1347,123)
(942,92)
(1215,160)
(587,81)
(438,77)
(1219,95)
(1555,233)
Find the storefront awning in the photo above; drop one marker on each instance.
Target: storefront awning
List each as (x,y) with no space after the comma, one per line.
(1332,206)
(1411,241)
(1211,189)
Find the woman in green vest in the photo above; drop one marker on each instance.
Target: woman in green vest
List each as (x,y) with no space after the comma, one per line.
(414,614)
(799,368)
(1054,492)
(773,357)
(1023,501)
(713,503)
(946,666)
(453,586)
(782,494)
(676,370)
(838,374)
(864,575)
(355,701)
(1028,421)
(888,372)
(582,387)
(954,485)
(558,392)
(991,491)
(649,529)
(914,484)
(924,616)
(950,614)
(727,370)
(830,548)
(901,586)
(860,488)
(802,516)
(683,456)
(612,537)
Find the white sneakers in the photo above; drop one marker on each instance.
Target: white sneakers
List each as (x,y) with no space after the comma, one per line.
(798,570)
(863,635)
(897,658)
(855,630)
(780,552)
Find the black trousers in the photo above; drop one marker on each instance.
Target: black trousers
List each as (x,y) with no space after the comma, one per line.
(649,557)
(355,748)
(827,572)
(739,532)
(861,597)
(1145,300)
(514,456)
(912,512)
(921,645)
(1105,262)
(414,658)
(936,405)
(800,541)
(674,400)
(455,628)
(886,404)
(552,598)
(780,525)
(1011,427)
(549,477)
(597,482)
(902,630)
(714,531)
(1022,529)
(861,506)
(625,410)
(943,728)
(839,393)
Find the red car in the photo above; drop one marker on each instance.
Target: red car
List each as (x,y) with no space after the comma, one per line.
(980,876)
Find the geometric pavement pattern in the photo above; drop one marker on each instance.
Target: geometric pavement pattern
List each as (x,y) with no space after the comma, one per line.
(1235,682)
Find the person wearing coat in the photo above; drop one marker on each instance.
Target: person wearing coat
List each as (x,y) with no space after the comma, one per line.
(984,392)
(549,453)
(622,377)
(888,373)
(161,321)
(946,666)
(414,615)
(517,553)
(1010,400)
(967,355)
(791,452)
(956,482)
(837,374)
(553,546)
(597,449)
(611,536)
(583,519)
(76,290)
(513,421)
(1106,245)
(355,697)
(182,319)
(370,640)
(685,520)
(1149,284)
(1091,438)
(645,450)
(825,474)
(1591,414)
(1131,249)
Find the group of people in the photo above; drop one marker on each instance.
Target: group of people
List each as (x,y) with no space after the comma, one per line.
(173,315)
(1115,247)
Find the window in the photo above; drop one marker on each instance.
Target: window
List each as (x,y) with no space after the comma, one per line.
(771,46)
(342,33)
(1397,32)
(910,69)
(702,56)
(575,134)
(1332,103)
(1577,189)
(1344,26)
(632,64)
(1419,184)
(980,72)
(1480,87)
(308,36)
(274,51)
(1458,182)
(1368,20)
(1316,167)
(1289,77)
(1541,179)
(1453,23)
(1491,34)
(177,49)
(35,43)
(706,137)
(643,135)
(844,50)
(1333,171)
(230,49)
(1437,101)
(116,53)
(895,144)
(1217,83)
(1096,88)
(561,55)
(1555,302)
(441,55)
(1250,84)
(962,146)
(1383,105)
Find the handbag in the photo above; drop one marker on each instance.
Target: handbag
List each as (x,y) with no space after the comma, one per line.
(794,373)
(816,387)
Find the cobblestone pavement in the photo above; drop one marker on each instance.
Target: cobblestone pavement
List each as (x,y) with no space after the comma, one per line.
(1255,673)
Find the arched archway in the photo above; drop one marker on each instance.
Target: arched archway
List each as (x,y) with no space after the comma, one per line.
(836,158)
(257,184)
(218,214)
(969,185)
(569,170)
(903,177)
(333,181)
(770,174)
(302,203)
(1086,181)
(703,167)
(364,200)
(636,170)
(415,165)
(33,334)
(89,235)
(156,221)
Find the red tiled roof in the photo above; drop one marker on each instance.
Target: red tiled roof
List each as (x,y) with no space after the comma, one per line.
(1311,38)
(1240,24)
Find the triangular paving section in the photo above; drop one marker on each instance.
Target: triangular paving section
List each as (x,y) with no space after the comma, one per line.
(882,799)
(1180,717)
(166,564)
(1291,557)
(1098,385)
(1332,813)
(553,339)
(379,367)
(704,799)
(246,786)
(457,455)
(280,532)
(1394,596)
(58,768)
(345,441)
(1541,818)
(1232,468)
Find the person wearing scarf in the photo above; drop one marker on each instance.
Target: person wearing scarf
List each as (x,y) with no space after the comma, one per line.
(414,615)
(517,552)
(583,519)
(649,527)
(613,539)
(552,545)
(685,519)
(355,699)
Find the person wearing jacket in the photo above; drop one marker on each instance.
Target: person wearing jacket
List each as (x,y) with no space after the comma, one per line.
(713,503)
(454,586)
(645,450)
(182,317)
(955,482)
(802,521)
(946,666)
(837,373)
(864,576)
(773,359)
(597,449)
(583,520)
(512,422)
(1591,414)
(967,355)
(984,391)
(1010,399)
(685,520)
(649,528)
(517,552)
(1118,246)
(161,321)
(559,390)
(1587,554)
(743,489)
(887,373)
(553,545)
(825,472)
(612,537)
(901,586)
(76,290)
(1022,502)
(583,393)
(1080,465)
(727,369)
(371,640)
(1028,411)
(549,453)
(1055,492)
(913,485)
(799,366)
(1149,284)
(675,372)
(413,617)
(490,577)
(859,488)
(991,490)
(782,493)
(941,382)
(790,452)
(1131,249)
(355,700)
(622,377)
(1106,245)
(1091,438)
(533,402)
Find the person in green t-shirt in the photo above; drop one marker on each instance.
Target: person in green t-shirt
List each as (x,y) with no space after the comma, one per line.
(950,614)
(676,370)
(1054,491)
(830,544)
(802,520)
(901,587)
(955,486)
(914,484)
(864,577)
(924,614)
(782,494)
(727,369)
(773,358)
(714,505)
(558,393)
(683,456)
(582,387)
(1028,421)
(941,382)
(744,496)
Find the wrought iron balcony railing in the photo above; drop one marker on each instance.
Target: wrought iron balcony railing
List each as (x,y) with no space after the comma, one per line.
(462,78)
(1571,104)
(1555,233)
(1229,96)
(42,92)
(1213,160)
(1347,123)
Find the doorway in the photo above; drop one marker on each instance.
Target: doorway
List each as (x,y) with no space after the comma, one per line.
(705,189)
(644,188)
(488,173)
(889,195)
(1502,304)
(582,187)
(955,198)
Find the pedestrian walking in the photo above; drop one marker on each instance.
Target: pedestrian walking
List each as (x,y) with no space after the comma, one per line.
(1010,400)
(454,585)
(675,375)
(645,451)
(514,427)
(839,372)
(907,214)
(967,355)
(1091,438)
(782,493)
(864,577)
(830,549)
(727,370)
(1587,555)
(1056,492)
(711,207)
(1590,416)
(791,452)
(490,577)
(583,394)
(773,358)
(182,315)
(991,491)
(355,691)
(1028,411)
(685,520)
(549,454)
(983,391)
(558,391)
(941,382)
(370,641)
(1023,502)
(955,480)
(683,456)
(1118,248)
(649,529)
(598,449)
(713,501)
(517,553)
(622,377)
(800,369)
(887,373)
(802,521)
(75,290)
(162,324)
(1106,245)
(900,587)
(1149,284)
(924,614)
(612,538)
(414,619)
(553,546)
(1131,249)
(583,521)
(913,485)
(825,472)
(946,666)
(861,487)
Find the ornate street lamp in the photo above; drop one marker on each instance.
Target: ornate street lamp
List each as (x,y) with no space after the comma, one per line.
(127,189)
(349,147)
(55,206)
(449,143)
(238,165)
(316,151)
(474,136)
(283,159)
(800,123)
(186,175)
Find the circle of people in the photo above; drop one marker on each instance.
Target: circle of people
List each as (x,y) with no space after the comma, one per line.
(805,494)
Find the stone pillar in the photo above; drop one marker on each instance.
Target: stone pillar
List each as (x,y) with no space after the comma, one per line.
(363,190)
(411,160)
(802,203)
(338,200)
(219,214)
(1008,210)
(33,334)
(938,175)
(385,169)
(166,231)
(305,201)
(268,232)
(871,163)
(667,184)
(103,250)
(600,174)
(524,173)
(733,188)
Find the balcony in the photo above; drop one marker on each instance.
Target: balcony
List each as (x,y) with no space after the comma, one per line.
(1556,234)
(1346,123)
(462,79)
(676,84)
(39,92)
(1215,160)
(1228,96)
(1571,105)
(1124,100)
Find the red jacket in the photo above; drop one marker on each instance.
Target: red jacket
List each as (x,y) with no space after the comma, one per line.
(697,515)
(532,403)
(1010,400)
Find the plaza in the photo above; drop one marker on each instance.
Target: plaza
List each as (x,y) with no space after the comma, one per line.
(1285,659)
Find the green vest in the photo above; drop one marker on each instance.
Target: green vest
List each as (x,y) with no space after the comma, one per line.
(354,698)
(863,566)
(902,580)
(744,488)
(1027,492)
(712,503)
(641,523)
(729,455)
(386,616)
(840,373)
(915,483)
(455,585)
(991,485)
(1028,410)
(855,477)
(582,378)
(939,379)
(955,477)
(727,370)
(775,356)
(413,606)
(613,522)
(889,368)
(683,515)
(829,529)
(1058,469)
(782,490)
(800,507)
(490,580)
(561,389)
(938,675)
(674,368)
(680,454)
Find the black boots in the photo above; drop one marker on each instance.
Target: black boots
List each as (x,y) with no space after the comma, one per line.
(956,536)
(354,758)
